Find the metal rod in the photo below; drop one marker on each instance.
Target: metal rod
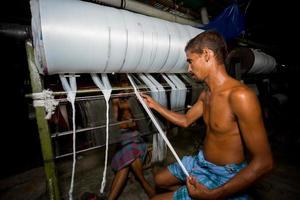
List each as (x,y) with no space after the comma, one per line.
(58,134)
(94,90)
(92,128)
(101,96)
(149,10)
(99,146)
(88,91)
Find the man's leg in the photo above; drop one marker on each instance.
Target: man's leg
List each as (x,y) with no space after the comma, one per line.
(137,169)
(164,179)
(118,183)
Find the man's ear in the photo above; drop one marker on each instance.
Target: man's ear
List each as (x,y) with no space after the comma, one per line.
(208,54)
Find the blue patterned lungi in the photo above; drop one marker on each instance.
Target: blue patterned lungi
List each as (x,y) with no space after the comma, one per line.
(131,148)
(206,173)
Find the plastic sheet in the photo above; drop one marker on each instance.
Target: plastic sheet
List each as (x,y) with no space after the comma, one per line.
(230,23)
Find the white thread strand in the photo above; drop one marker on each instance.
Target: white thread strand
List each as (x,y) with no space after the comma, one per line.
(157,152)
(161,90)
(74,153)
(71,94)
(181,90)
(173,95)
(106,89)
(156,124)
(106,150)
(159,146)
(152,87)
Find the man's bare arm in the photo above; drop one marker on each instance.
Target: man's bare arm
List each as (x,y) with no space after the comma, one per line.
(182,120)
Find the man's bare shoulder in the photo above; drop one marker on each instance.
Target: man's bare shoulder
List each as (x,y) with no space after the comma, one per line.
(242,94)
(241,90)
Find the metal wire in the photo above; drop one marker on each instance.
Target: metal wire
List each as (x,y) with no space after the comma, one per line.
(93,128)
(96,97)
(58,134)
(99,146)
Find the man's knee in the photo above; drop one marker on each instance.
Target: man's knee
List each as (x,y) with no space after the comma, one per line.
(162,179)
(159,180)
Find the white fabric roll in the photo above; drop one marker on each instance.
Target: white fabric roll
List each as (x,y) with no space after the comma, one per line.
(263,63)
(72,36)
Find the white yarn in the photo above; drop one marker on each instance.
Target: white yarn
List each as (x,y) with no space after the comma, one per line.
(106,89)
(105,40)
(71,88)
(45,99)
(154,120)
(151,86)
(173,95)
(161,90)
(157,154)
(181,90)
(159,151)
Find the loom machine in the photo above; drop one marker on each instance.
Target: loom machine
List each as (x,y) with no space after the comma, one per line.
(79,52)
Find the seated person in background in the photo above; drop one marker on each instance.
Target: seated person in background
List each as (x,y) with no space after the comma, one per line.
(131,152)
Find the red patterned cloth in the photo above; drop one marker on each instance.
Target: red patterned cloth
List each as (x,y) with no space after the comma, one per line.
(131,148)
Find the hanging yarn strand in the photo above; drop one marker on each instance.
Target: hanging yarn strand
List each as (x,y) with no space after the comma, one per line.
(159,147)
(181,90)
(106,89)
(158,150)
(71,87)
(151,115)
(173,95)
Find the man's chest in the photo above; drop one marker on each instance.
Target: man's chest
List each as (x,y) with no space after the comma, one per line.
(217,113)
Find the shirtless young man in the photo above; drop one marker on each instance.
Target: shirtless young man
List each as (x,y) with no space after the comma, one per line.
(131,153)
(234,125)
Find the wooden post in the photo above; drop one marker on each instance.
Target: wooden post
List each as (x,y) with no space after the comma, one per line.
(43,128)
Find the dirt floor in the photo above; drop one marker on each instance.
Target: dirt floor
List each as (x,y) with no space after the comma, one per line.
(282,183)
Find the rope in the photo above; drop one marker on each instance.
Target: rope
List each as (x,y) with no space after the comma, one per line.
(106,89)
(156,123)
(71,88)
(45,99)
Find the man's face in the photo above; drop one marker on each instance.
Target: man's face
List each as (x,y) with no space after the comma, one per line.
(195,63)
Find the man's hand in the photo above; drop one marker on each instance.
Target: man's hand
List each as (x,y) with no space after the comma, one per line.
(149,101)
(197,190)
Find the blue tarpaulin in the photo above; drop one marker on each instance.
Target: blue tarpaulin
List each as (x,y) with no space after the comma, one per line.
(230,23)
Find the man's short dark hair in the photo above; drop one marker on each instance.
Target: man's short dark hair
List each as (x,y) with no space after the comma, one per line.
(211,40)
